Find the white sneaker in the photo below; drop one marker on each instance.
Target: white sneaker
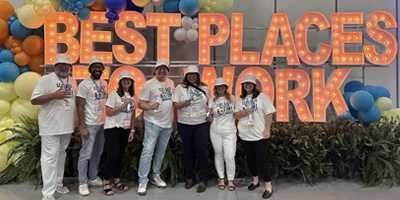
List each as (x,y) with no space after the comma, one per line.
(48,198)
(157,181)
(142,189)
(84,189)
(62,189)
(96,182)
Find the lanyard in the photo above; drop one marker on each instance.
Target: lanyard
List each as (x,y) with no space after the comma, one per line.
(64,85)
(97,88)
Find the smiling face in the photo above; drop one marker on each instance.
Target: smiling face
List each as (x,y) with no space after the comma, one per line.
(221,89)
(126,83)
(96,70)
(161,73)
(248,87)
(192,77)
(62,69)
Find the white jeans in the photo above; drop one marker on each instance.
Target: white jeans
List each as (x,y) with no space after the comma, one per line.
(53,161)
(224,145)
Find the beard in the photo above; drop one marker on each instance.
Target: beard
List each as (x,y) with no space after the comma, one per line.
(96,74)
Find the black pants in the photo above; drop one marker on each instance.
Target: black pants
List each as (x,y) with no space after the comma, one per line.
(115,140)
(195,139)
(257,154)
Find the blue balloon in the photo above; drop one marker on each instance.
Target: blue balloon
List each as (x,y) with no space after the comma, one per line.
(370,116)
(132,6)
(372,90)
(8,71)
(88,2)
(361,100)
(346,97)
(116,6)
(65,6)
(19,31)
(353,86)
(347,115)
(39,32)
(2,48)
(171,6)
(6,56)
(24,69)
(189,7)
(383,92)
(83,14)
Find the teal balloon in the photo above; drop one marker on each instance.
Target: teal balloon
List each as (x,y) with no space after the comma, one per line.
(372,90)
(370,116)
(383,92)
(8,71)
(6,56)
(24,69)
(171,6)
(189,7)
(361,100)
(353,86)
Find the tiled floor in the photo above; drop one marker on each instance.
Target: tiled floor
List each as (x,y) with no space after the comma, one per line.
(328,190)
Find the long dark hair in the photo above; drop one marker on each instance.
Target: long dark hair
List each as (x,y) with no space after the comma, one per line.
(185,83)
(131,90)
(256,92)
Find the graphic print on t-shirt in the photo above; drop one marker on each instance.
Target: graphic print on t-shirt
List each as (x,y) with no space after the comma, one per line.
(194,94)
(99,94)
(129,107)
(224,108)
(250,103)
(68,88)
(165,93)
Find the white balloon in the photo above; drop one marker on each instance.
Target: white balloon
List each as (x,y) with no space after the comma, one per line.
(195,25)
(186,22)
(192,35)
(180,34)
(195,20)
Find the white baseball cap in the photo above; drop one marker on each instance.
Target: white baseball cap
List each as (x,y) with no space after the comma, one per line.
(161,63)
(192,69)
(94,61)
(62,58)
(220,81)
(125,74)
(249,78)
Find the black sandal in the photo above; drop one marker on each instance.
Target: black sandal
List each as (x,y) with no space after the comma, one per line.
(107,190)
(120,186)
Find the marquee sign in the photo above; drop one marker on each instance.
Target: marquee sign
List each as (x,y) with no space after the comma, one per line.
(294,48)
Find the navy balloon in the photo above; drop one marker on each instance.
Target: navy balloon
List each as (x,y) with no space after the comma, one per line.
(132,6)
(8,71)
(19,31)
(116,6)
(372,90)
(383,92)
(6,56)
(39,32)
(24,69)
(370,116)
(353,86)
(361,100)
(189,7)
(171,6)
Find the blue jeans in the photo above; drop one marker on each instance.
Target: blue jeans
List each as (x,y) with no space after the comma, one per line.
(157,138)
(92,149)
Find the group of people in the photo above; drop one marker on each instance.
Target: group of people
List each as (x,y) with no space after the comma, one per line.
(108,120)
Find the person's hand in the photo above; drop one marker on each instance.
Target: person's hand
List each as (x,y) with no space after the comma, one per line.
(128,101)
(85,133)
(248,111)
(61,94)
(130,137)
(155,105)
(186,103)
(267,134)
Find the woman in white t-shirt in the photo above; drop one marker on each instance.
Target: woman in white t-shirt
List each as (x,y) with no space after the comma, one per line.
(223,132)
(254,111)
(118,129)
(190,98)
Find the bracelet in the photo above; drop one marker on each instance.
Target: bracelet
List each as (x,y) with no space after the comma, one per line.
(132,130)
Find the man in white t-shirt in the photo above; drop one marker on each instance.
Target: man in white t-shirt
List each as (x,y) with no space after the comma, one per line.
(155,101)
(55,93)
(90,102)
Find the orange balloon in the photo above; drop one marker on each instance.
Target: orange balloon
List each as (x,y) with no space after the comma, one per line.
(35,63)
(6,10)
(13,42)
(3,28)
(22,59)
(98,5)
(33,45)
(3,40)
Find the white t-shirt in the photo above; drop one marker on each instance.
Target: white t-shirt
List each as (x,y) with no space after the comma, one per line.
(261,107)
(196,112)
(114,100)
(161,92)
(223,119)
(95,96)
(56,117)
